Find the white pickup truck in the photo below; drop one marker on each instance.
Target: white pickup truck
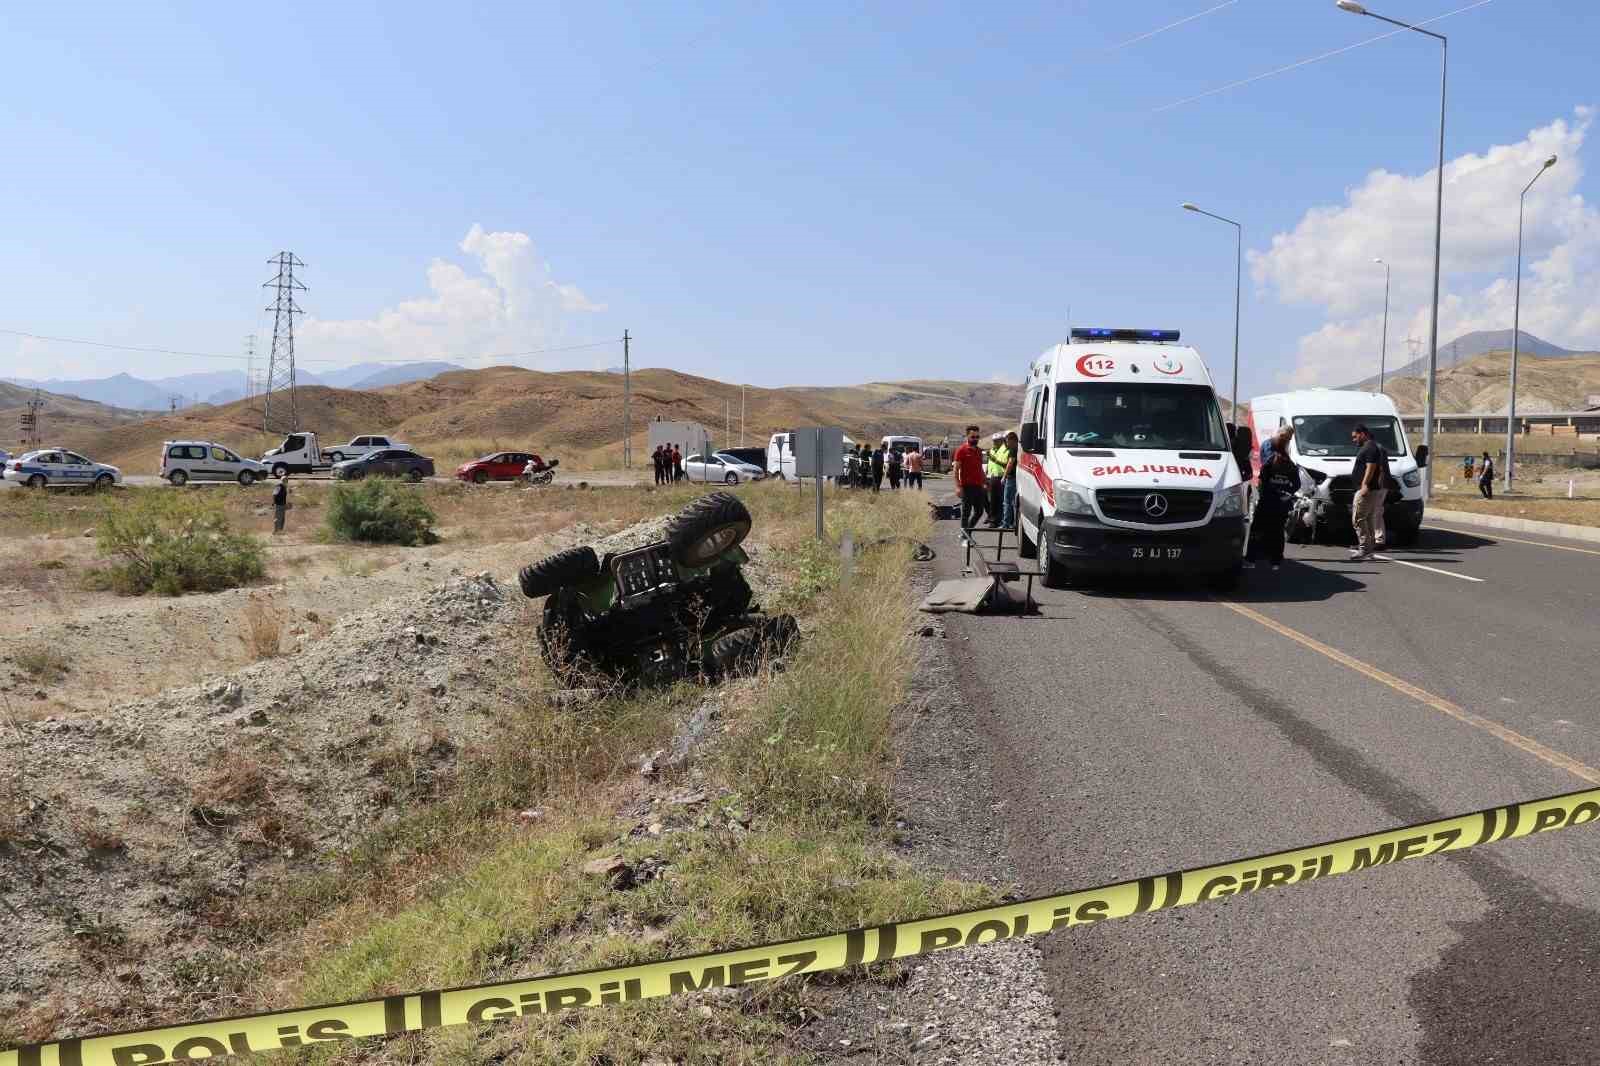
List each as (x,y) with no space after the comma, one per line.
(298,454)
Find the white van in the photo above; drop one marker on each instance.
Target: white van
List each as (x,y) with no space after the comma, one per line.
(183,461)
(901,444)
(1322,421)
(1127,466)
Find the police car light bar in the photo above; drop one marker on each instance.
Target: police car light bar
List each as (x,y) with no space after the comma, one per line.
(1167,335)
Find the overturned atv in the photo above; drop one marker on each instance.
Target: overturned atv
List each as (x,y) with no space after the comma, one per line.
(676,609)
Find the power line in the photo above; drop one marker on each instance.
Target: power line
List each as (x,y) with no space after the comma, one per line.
(1170,26)
(1313,59)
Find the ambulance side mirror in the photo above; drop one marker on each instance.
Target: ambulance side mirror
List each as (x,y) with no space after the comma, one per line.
(1422,456)
(1028,436)
(1241,447)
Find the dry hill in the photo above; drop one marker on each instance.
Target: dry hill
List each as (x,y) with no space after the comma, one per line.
(64,420)
(576,415)
(1483,384)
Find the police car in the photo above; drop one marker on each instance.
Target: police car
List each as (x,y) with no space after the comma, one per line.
(1127,465)
(57,466)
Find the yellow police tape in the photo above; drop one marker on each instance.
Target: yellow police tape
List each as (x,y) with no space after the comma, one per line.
(504,1000)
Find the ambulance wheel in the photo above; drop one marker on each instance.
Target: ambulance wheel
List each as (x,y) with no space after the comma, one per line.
(1026,548)
(1052,574)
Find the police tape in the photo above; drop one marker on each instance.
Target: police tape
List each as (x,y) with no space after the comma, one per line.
(505,1000)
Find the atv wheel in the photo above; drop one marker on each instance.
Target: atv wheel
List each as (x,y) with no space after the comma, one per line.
(558,571)
(706,528)
(744,650)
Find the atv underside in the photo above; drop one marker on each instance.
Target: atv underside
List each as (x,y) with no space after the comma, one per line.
(679,608)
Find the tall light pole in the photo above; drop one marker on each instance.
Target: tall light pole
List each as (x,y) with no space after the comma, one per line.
(1438,222)
(1238,276)
(1516,329)
(1383,349)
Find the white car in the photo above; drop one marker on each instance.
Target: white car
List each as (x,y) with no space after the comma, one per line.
(183,461)
(360,446)
(720,467)
(57,466)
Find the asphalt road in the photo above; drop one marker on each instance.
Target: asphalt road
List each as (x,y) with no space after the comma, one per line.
(1152,727)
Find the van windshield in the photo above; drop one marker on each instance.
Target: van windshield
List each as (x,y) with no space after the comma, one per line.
(1329,435)
(1122,415)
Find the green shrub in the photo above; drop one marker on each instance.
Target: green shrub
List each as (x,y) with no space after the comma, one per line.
(175,542)
(380,511)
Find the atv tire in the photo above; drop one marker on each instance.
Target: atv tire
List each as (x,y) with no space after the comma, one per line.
(744,650)
(559,571)
(706,528)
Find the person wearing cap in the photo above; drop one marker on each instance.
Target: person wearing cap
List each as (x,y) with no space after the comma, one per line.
(280,502)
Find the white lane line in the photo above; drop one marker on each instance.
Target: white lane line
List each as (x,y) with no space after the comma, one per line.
(1434,569)
(1490,533)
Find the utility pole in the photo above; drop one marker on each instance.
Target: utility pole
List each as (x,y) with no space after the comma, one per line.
(741,416)
(627,396)
(30,421)
(280,362)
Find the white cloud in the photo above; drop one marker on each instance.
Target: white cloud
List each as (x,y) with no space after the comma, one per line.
(510,303)
(1326,260)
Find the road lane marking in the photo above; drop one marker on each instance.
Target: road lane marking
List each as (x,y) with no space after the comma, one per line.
(1519,540)
(1435,569)
(1438,703)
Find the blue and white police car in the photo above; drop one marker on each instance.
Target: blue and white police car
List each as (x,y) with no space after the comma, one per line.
(57,466)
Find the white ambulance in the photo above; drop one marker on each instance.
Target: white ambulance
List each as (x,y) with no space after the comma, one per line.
(1127,466)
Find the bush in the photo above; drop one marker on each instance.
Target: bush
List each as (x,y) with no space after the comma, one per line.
(176,542)
(380,511)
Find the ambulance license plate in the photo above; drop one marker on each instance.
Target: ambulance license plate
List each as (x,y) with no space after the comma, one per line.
(1156,551)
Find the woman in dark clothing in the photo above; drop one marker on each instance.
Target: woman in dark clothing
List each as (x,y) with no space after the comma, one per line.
(1275,492)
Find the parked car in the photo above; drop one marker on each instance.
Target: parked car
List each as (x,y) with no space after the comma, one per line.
(361,446)
(498,466)
(720,467)
(391,462)
(183,461)
(57,466)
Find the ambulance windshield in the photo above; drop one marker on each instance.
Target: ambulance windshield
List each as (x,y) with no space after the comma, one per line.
(1159,415)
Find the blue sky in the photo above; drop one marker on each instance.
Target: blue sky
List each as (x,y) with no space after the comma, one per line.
(783,193)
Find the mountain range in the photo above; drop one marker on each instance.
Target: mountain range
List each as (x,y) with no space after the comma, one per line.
(223,386)
(1470,346)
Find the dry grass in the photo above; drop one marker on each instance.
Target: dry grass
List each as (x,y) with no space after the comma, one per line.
(14,811)
(261,628)
(94,830)
(40,662)
(1571,512)
(230,779)
(1457,444)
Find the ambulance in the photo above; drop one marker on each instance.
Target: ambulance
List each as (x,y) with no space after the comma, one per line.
(1127,466)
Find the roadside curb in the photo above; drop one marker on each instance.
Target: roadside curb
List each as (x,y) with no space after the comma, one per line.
(1521,525)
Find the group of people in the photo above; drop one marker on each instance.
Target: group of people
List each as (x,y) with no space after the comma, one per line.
(1485,475)
(986,481)
(1281,480)
(866,468)
(668,461)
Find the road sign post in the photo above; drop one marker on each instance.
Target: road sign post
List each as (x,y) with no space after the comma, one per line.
(811,448)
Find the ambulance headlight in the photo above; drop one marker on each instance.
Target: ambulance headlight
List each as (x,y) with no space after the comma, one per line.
(1411,478)
(1074,499)
(1232,502)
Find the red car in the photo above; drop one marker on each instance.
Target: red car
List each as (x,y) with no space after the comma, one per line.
(501,466)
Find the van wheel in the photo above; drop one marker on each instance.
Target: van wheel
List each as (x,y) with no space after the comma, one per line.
(1052,574)
(279,470)
(178,477)
(246,478)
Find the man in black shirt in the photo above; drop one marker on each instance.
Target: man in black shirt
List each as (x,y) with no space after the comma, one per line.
(280,503)
(1370,476)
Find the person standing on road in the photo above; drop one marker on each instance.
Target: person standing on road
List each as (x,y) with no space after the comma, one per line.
(1370,475)
(1008,491)
(1486,479)
(280,503)
(967,465)
(914,469)
(1280,480)
(893,463)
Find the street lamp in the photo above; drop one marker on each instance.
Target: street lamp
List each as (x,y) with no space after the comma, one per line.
(1516,328)
(1383,349)
(1238,274)
(1438,221)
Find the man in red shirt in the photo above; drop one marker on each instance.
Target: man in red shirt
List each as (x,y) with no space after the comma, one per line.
(970,483)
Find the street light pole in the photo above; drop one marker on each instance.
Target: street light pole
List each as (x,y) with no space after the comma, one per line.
(1238,278)
(1438,221)
(1516,330)
(1383,349)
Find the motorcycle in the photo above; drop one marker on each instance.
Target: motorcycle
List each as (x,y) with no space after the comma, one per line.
(540,473)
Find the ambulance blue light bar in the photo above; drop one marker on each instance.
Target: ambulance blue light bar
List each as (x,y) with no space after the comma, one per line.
(1096,334)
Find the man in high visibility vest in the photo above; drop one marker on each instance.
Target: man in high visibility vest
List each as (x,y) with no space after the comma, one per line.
(999,459)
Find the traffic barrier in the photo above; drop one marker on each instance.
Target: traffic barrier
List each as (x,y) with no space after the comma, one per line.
(506,1000)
